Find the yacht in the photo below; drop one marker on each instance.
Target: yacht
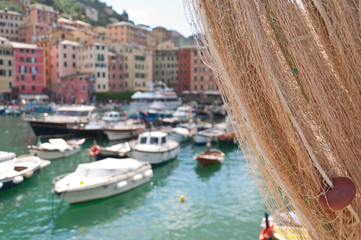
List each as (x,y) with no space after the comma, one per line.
(159,94)
(101,179)
(112,116)
(155,147)
(57,124)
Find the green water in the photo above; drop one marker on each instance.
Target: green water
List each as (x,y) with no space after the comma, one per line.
(220,202)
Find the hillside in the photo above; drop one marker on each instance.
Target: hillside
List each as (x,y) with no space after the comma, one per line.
(76,9)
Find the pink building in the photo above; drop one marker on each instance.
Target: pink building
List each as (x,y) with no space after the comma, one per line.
(62,63)
(33,32)
(39,13)
(201,77)
(77,88)
(29,68)
(116,73)
(184,69)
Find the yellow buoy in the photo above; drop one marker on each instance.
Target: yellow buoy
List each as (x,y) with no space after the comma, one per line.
(182,198)
(81,182)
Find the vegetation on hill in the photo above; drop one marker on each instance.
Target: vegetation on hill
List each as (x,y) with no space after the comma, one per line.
(11,6)
(76,9)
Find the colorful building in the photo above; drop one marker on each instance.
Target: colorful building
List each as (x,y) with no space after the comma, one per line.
(40,13)
(116,72)
(126,32)
(33,32)
(166,65)
(201,77)
(76,88)
(93,59)
(184,68)
(63,58)
(45,44)
(29,68)
(9,23)
(6,66)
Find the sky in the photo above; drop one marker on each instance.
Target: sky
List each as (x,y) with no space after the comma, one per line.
(166,13)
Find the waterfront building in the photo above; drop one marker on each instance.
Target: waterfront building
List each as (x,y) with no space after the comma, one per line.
(116,72)
(62,63)
(28,68)
(45,44)
(126,32)
(76,88)
(166,65)
(184,68)
(93,59)
(138,66)
(9,23)
(201,76)
(6,66)
(40,13)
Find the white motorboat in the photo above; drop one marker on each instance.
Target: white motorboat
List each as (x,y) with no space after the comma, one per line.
(112,116)
(101,179)
(210,134)
(184,113)
(124,129)
(155,147)
(120,150)
(57,148)
(15,170)
(57,124)
(159,92)
(180,134)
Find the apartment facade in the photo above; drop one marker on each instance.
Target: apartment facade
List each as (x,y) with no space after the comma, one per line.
(33,32)
(166,67)
(201,77)
(126,32)
(6,66)
(116,72)
(9,23)
(29,68)
(62,63)
(76,88)
(184,68)
(40,13)
(93,59)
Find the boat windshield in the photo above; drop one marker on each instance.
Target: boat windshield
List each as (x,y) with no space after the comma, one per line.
(163,140)
(154,140)
(72,113)
(143,140)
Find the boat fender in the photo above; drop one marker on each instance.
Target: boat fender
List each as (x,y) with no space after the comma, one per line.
(94,150)
(18,179)
(222,137)
(267,234)
(140,130)
(1,185)
(29,174)
(122,184)
(137,177)
(148,173)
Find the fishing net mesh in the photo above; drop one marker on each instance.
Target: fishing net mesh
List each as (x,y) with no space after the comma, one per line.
(289,74)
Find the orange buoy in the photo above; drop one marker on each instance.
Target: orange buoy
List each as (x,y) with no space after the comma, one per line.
(94,150)
(222,137)
(339,196)
(266,234)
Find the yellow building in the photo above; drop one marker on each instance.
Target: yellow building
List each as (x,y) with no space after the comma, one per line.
(6,66)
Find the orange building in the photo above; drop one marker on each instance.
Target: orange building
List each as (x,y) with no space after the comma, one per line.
(126,32)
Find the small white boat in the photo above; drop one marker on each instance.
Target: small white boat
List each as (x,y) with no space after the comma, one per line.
(112,116)
(101,179)
(120,150)
(124,130)
(15,170)
(210,157)
(184,113)
(155,147)
(57,148)
(180,134)
(210,134)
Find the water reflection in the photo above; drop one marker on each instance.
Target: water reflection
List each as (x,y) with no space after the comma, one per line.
(207,172)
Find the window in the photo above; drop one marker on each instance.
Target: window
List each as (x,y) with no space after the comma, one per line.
(154,140)
(65,64)
(9,62)
(74,65)
(22,69)
(64,53)
(33,70)
(163,140)
(22,78)
(10,73)
(1,62)
(33,77)
(33,88)
(143,140)
(22,87)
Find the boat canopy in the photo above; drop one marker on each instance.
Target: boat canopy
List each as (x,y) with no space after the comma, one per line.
(107,167)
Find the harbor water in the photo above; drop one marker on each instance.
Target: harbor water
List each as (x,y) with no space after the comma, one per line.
(221,202)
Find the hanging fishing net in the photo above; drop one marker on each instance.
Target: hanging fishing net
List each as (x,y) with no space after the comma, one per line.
(289,74)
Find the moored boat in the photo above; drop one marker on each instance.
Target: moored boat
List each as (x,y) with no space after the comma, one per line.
(124,130)
(57,148)
(210,134)
(101,179)
(15,170)
(120,150)
(210,157)
(155,147)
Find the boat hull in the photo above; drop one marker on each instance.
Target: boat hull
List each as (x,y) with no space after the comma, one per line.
(103,191)
(120,135)
(202,139)
(50,155)
(155,157)
(46,129)
(178,137)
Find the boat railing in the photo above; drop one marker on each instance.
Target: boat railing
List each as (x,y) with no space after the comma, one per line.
(56,179)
